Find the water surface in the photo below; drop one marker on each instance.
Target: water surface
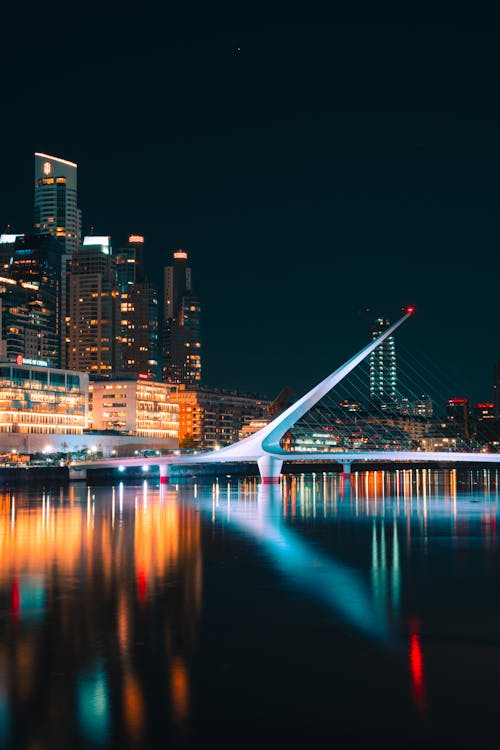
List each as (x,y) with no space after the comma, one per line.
(319,613)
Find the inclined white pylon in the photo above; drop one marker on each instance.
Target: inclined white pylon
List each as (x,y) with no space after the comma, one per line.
(266,442)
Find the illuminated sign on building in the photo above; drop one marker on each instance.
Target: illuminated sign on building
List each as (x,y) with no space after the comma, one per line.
(136,238)
(20,360)
(47,167)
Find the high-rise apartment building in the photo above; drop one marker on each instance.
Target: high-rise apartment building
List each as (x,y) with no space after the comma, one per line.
(30,295)
(138,311)
(36,264)
(94,310)
(21,338)
(139,329)
(129,262)
(458,418)
(382,364)
(57,214)
(181,325)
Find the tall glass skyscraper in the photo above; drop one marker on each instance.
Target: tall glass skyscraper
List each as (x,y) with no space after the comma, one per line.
(94,310)
(139,310)
(181,325)
(382,362)
(57,214)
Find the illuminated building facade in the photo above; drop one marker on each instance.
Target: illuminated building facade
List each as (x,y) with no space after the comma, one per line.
(93,336)
(382,364)
(129,262)
(486,425)
(36,399)
(137,406)
(6,247)
(138,311)
(181,332)
(28,321)
(423,407)
(35,264)
(458,418)
(210,418)
(57,214)
(139,329)
(484,410)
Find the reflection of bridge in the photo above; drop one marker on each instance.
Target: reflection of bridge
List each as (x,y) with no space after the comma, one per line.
(264,446)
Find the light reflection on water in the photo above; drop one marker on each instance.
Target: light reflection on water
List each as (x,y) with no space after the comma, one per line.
(105,616)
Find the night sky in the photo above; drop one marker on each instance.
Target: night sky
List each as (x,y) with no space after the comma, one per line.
(311,162)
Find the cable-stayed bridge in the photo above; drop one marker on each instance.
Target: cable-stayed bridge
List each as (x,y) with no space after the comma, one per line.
(265,447)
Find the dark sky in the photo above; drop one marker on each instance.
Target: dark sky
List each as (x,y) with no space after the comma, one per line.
(336,160)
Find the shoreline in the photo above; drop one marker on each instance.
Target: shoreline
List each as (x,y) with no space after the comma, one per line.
(60,474)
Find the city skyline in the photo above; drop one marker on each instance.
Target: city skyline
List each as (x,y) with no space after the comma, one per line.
(378,189)
(249,376)
(373,316)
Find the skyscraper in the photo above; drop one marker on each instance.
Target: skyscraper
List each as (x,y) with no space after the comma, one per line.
(458,417)
(382,363)
(94,323)
(57,213)
(31,276)
(139,311)
(181,325)
(129,262)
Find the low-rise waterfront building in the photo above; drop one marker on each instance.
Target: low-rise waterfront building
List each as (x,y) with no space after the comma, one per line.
(210,418)
(138,406)
(36,398)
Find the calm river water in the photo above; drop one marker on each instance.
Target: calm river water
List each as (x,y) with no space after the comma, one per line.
(364,614)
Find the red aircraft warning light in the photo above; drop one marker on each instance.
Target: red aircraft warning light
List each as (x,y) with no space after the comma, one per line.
(409,309)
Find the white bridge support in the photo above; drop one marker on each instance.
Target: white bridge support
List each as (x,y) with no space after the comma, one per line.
(270,469)
(164,474)
(346,469)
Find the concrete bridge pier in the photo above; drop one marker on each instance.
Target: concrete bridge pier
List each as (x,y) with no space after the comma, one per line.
(163,474)
(346,470)
(270,469)
(77,475)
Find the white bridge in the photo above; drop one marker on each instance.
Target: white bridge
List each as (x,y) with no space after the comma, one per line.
(264,448)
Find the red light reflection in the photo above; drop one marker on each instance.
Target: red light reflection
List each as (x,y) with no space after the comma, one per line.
(142,585)
(417,667)
(15,600)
